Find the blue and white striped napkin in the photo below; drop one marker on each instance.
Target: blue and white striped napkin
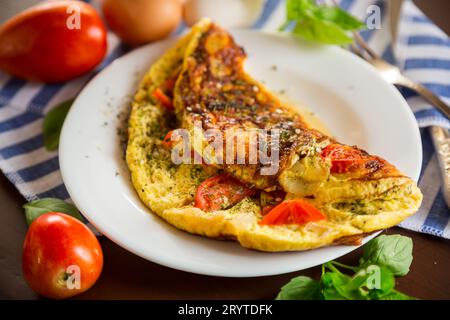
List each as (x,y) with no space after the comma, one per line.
(422,51)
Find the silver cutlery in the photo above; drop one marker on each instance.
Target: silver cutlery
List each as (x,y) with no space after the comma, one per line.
(393,75)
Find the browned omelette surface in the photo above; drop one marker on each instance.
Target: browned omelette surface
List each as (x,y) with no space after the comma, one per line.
(214,89)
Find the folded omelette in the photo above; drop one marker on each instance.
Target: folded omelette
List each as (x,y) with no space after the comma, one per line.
(322,191)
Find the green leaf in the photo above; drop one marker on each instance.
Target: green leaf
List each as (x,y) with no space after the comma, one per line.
(53,123)
(387,281)
(333,284)
(330,293)
(36,208)
(349,288)
(321,31)
(396,295)
(339,17)
(295,9)
(393,252)
(300,288)
(373,281)
(320,23)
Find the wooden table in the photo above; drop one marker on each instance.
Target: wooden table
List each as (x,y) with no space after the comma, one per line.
(126,276)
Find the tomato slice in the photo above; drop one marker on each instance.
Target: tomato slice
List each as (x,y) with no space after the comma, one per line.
(343,158)
(167,141)
(166,102)
(265,210)
(221,192)
(170,83)
(269,200)
(292,212)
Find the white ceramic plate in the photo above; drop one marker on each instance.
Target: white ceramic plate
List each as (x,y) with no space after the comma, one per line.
(356,105)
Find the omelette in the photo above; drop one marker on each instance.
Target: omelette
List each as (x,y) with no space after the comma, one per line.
(320,192)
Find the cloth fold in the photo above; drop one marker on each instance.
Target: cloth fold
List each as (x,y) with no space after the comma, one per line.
(421,50)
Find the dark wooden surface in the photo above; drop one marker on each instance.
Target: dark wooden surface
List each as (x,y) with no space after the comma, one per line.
(126,276)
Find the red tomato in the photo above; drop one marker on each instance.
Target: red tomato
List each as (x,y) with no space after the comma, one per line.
(171,139)
(292,212)
(170,83)
(270,200)
(265,210)
(221,192)
(57,245)
(165,101)
(167,141)
(343,158)
(46,43)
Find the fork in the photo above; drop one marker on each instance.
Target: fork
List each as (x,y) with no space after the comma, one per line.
(393,75)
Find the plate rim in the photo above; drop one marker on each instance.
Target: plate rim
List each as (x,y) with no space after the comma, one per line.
(64,169)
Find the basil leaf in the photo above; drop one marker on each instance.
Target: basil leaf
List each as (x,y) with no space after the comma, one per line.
(320,23)
(295,9)
(374,281)
(334,284)
(352,289)
(355,289)
(339,17)
(321,31)
(396,295)
(393,252)
(53,123)
(300,288)
(36,208)
(330,293)
(387,282)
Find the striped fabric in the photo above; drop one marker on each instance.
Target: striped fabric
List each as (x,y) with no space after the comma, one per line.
(421,50)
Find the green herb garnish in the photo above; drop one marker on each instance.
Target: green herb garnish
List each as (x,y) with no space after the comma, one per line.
(301,288)
(320,23)
(53,123)
(36,208)
(393,252)
(373,279)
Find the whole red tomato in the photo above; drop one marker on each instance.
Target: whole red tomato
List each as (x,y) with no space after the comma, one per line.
(53,41)
(61,256)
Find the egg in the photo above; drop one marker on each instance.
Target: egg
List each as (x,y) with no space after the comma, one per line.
(353,206)
(230,13)
(138,22)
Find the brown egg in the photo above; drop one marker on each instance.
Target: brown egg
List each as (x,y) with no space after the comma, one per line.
(140,21)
